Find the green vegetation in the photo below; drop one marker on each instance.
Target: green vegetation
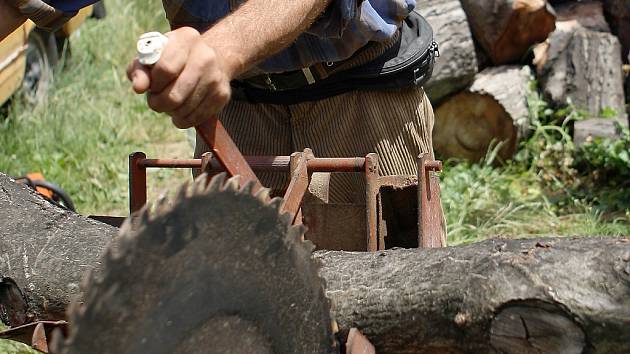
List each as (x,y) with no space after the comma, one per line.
(551,187)
(81,137)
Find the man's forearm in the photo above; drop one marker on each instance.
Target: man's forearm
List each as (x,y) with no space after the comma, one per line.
(259,29)
(10,19)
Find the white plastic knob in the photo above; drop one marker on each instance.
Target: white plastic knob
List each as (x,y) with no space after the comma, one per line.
(150,46)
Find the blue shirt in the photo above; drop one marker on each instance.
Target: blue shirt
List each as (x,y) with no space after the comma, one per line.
(343,28)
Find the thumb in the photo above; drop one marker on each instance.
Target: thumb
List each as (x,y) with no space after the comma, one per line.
(140,76)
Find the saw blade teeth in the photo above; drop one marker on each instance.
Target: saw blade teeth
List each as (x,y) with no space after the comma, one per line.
(182,192)
(126,227)
(263,194)
(232,183)
(248,188)
(296,232)
(144,215)
(162,205)
(308,245)
(200,184)
(216,182)
(276,203)
(286,218)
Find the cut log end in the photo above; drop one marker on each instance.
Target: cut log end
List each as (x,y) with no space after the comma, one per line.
(507,29)
(492,111)
(469,124)
(531,22)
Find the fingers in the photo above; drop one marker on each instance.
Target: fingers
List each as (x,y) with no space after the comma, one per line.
(173,58)
(185,89)
(214,101)
(140,76)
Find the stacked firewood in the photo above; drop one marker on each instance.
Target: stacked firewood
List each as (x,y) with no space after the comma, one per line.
(491,52)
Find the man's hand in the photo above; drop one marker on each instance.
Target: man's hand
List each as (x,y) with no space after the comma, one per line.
(190,82)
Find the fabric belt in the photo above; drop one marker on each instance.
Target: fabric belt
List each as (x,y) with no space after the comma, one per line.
(307,76)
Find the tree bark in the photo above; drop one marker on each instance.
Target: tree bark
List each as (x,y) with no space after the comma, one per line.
(45,250)
(588,129)
(618,15)
(506,29)
(589,14)
(499,296)
(584,66)
(494,109)
(457,65)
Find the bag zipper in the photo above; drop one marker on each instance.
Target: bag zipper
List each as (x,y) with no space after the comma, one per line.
(432,49)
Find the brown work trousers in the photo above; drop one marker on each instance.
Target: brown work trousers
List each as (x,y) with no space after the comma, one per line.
(395,124)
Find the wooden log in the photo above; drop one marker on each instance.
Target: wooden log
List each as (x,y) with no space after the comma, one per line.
(506,29)
(569,16)
(498,296)
(457,65)
(45,250)
(618,15)
(588,14)
(493,110)
(584,66)
(589,129)
(510,296)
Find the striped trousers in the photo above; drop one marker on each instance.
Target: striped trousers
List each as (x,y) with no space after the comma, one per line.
(395,124)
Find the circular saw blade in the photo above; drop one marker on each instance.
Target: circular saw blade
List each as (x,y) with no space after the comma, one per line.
(219,271)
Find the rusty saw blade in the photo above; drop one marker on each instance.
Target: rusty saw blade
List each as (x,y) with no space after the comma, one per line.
(218,270)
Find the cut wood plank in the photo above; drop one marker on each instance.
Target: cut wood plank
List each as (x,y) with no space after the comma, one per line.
(506,29)
(493,110)
(457,65)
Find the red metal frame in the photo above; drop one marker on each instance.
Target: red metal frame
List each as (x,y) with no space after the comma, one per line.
(300,166)
(430,217)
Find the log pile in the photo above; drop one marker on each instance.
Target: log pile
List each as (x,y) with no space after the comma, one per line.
(575,50)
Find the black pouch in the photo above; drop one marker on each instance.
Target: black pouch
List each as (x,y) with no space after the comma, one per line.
(406,64)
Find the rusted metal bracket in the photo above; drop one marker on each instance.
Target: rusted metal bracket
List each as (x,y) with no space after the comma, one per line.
(298,186)
(431,229)
(372,188)
(36,334)
(225,151)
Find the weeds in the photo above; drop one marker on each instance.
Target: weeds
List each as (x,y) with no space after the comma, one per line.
(551,187)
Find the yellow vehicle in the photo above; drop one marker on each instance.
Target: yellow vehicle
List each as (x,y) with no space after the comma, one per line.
(29,55)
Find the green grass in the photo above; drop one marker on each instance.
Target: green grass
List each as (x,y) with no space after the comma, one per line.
(482,201)
(81,137)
